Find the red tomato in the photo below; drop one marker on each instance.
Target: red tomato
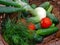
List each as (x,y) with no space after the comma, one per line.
(31,26)
(46,22)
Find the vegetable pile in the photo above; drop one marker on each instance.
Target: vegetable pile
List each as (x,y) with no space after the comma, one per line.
(32,23)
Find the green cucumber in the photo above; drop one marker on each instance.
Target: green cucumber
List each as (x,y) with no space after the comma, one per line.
(38,26)
(53,18)
(53,25)
(45,5)
(9,9)
(38,38)
(45,32)
(50,8)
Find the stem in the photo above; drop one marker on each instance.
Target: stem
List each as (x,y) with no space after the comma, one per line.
(19,4)
(9,3)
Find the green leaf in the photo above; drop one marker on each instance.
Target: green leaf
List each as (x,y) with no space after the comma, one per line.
(9,9)
(15,39)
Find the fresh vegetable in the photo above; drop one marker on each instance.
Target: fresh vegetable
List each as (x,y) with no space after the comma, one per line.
(41,12)
(25,1)
(19,31)
(38,38)
(31,26)
(45,5)
(26,7)
(53,18)
(9,9)
(48,31)
(19,4)
(46,22)
(16,33)
(50,8)
(38,26)
(33,19)
(33,6)
(53,25)
(9,3)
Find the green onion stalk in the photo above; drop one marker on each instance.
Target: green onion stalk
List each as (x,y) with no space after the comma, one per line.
(19,4)
(36,13)
(26,6)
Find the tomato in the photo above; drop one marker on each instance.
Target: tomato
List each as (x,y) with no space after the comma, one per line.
(31,26)
(46,22)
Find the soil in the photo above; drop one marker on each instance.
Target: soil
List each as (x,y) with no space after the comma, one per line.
(53,39)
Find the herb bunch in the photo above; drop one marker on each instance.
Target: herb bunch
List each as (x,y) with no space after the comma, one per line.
(16,33)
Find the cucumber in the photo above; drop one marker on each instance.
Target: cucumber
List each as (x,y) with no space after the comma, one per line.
(38,26)
(53,25)
(52,17)
(38,38)
(50,8)
(45,5)
(46,32)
